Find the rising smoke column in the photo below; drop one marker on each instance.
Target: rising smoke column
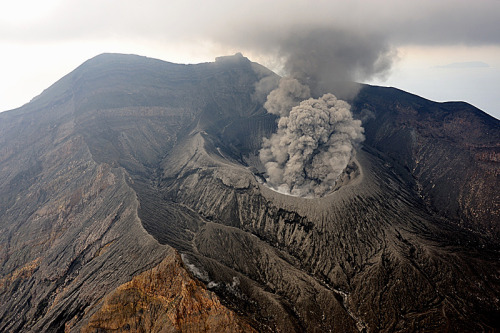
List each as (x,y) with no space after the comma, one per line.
(313,144)
(316,137)
(289,93)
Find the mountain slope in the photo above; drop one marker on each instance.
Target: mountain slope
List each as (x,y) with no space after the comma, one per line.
(127,156)
(164,297)
(452,149)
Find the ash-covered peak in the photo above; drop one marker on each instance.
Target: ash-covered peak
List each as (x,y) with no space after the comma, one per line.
(235,58)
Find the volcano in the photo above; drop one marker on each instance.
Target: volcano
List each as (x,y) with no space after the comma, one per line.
(132,198)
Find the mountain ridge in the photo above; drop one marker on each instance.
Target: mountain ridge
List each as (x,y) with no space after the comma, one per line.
(126,157)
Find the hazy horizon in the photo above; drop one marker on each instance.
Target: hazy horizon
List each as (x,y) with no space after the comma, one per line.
(446,51)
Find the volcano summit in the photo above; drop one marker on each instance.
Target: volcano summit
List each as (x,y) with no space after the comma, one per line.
(133,196)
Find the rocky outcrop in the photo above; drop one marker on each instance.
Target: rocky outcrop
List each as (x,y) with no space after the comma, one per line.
(164,298)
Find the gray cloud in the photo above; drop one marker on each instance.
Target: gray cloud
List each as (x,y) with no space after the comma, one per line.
(446,22)
(324,58)
(331,60)
(322,43)
(466,64)
(400,22)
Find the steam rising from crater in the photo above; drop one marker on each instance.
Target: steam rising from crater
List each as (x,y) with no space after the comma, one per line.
(314,141)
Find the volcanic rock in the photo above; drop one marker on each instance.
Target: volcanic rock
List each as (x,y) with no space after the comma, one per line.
(128,157)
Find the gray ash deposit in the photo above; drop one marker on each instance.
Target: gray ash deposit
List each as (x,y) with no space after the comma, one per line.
(127,158)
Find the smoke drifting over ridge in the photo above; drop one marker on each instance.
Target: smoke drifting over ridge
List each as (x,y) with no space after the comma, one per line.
(326,59)
(316,138)
(329,60)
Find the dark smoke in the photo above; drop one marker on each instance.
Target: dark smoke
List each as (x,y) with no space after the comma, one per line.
(332,61)
(327,59)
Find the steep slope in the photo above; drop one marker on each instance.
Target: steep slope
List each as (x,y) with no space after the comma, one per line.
(164,299)
(69,226)
(127,156)
(70,233)
(452,150)
(371,253)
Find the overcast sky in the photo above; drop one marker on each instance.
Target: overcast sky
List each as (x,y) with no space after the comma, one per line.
(441,50)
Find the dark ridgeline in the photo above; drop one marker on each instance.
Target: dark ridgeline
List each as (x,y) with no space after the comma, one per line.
(128,156)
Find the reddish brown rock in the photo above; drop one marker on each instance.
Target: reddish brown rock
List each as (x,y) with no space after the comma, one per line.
(165,299)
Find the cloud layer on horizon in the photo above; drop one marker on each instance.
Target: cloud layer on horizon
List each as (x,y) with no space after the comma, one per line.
(354,40)
(248,22)
(323,39)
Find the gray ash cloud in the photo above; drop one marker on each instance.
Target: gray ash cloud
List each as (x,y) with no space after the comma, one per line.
(330,60)
(314,142)
(316,137)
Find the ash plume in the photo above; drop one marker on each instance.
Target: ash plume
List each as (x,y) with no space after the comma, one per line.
(316,138)
(326,59)
(331,60)
(289,93)
(313,144)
